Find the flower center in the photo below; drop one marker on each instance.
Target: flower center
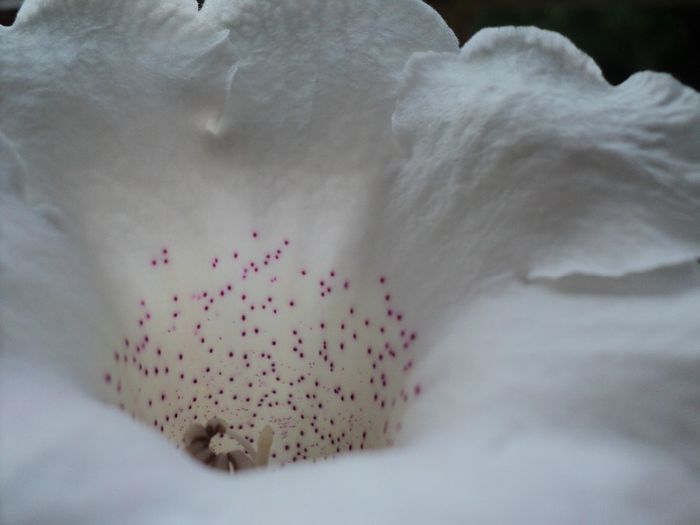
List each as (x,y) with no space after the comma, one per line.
(263,341)
(199,442)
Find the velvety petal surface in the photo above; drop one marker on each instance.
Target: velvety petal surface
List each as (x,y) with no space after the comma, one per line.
(523,160)
(571,208)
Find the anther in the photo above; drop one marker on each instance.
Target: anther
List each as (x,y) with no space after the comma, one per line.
(197,440)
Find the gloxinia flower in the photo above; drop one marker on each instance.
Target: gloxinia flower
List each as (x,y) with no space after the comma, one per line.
(410,283)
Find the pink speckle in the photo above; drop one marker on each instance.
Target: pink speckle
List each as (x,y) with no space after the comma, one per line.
(346,351)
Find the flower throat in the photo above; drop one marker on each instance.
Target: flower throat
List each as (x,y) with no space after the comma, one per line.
(291,362)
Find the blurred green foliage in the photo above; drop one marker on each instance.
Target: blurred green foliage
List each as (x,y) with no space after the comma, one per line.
(621,38)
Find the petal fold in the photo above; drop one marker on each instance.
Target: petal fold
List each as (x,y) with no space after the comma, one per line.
(523,160)
(316,81)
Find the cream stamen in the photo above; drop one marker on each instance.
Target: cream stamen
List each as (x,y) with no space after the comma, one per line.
(197,440)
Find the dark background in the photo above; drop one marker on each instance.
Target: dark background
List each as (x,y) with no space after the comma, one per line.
(622,36)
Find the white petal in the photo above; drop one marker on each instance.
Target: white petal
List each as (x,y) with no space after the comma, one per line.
(123,146)
(576,391)
(51,314)
(315,84)
(549,405)
(165,145)
(522,159)
(575,399)
(439,476)
(287,117)
(147,128)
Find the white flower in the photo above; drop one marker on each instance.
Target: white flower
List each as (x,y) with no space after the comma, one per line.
(322,217)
